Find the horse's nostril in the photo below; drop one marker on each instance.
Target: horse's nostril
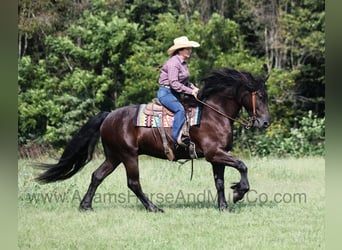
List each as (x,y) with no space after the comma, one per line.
(266,124)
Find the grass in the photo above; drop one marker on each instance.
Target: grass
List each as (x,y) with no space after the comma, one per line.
(284,209)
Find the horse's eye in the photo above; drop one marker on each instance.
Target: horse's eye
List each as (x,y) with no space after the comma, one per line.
(260,95)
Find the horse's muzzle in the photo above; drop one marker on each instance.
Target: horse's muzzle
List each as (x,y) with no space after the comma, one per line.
(262,123)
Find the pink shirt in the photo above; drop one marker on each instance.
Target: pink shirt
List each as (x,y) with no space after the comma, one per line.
(175,74)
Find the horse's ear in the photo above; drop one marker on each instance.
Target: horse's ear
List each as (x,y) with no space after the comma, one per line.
(266,71)
(266,78)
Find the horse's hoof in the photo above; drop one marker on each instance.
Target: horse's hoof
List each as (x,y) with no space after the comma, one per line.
(223,206)
(238,191)
(86,209)
(236,196)
(155,209)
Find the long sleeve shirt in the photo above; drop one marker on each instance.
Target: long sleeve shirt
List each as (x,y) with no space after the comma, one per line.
(175,74)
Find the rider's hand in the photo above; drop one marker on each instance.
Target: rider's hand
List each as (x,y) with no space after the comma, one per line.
(195,92)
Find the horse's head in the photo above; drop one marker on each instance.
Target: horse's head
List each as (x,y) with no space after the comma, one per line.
(224,85)
(253,97)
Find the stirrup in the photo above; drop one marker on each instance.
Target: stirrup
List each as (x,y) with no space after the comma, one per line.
(192,151)
(183,141)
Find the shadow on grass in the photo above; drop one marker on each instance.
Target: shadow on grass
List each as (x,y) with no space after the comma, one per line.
(242,206)
(234,208)
(239,207)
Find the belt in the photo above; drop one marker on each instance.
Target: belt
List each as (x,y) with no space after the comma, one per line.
(166,86)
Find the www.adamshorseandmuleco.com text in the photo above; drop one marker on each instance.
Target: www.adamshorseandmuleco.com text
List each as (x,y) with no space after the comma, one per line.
(178,197)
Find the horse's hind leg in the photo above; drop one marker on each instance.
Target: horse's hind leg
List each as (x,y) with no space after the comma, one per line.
(106,168)
(133,182)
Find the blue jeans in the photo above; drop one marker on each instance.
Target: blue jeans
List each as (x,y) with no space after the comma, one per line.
(170,99)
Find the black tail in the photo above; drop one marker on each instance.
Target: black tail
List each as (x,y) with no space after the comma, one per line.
(78,152)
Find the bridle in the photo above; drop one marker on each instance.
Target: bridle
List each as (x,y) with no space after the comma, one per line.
(248,123)
(253,118)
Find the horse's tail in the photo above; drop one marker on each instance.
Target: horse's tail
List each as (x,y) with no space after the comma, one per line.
(77,153)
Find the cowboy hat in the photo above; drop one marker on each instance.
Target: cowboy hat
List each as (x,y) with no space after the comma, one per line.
(181,42)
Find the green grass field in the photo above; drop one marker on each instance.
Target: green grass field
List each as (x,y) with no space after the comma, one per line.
(284,209)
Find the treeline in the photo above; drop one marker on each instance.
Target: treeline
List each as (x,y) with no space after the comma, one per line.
(77,57)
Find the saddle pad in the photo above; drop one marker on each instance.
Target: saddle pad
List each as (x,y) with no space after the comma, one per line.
(159,119)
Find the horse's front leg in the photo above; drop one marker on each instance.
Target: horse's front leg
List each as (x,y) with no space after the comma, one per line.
(218,171)
(242,187)
(222,157)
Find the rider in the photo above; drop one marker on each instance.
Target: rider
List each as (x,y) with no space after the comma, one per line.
(174,80)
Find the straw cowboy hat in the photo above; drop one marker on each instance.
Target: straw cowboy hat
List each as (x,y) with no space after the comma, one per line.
(181,42)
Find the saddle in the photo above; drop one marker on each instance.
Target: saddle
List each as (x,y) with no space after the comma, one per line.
(156,109)
(156,115)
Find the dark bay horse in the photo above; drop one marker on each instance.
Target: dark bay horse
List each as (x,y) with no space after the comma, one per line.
(224,93)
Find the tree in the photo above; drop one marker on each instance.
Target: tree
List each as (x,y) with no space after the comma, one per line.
(293,35)
(79,76)
(40,18)
(77,57)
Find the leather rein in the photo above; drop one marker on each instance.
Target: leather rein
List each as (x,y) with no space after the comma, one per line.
(248,123)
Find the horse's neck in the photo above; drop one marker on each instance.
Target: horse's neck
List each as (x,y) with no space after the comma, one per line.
(227,106)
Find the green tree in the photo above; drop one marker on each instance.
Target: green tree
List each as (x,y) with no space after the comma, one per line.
(80,75)
(79,57)
(292,33)
(40,18)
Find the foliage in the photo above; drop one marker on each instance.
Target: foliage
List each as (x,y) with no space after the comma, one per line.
(74,81)
(76,58)
(141,77)
(282,141)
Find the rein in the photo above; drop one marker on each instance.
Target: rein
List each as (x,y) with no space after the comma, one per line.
(247,123)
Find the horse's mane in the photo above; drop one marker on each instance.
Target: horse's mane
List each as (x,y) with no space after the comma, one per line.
(221,79)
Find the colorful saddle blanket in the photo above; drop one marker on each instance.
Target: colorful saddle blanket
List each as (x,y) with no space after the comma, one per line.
(155,115)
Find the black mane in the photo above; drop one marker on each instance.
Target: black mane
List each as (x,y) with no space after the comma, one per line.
(221,79)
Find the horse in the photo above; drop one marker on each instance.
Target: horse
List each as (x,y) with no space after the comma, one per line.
(224,93)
